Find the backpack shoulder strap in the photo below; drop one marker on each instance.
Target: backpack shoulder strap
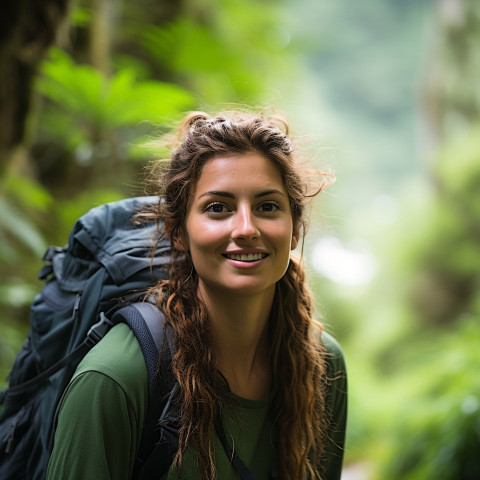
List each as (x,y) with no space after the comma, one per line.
(154,335)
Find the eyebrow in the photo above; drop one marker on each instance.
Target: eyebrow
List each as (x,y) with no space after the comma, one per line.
(231,195)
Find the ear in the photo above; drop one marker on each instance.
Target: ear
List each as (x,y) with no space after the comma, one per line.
(295,237)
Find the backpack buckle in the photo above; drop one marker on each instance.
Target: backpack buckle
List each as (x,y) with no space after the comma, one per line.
(98,331)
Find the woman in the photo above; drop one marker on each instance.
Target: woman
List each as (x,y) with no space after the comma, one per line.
(249,351)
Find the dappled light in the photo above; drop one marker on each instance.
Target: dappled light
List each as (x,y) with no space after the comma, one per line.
(347,266)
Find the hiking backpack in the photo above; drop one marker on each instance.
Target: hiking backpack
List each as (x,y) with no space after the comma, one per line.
(106,259)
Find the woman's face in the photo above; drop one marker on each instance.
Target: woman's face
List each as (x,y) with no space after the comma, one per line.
(239,226)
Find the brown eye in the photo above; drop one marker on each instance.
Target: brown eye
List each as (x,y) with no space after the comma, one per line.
(269,207)
(216,208)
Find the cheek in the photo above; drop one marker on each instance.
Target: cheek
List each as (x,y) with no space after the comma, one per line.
(204,235)
(282,237)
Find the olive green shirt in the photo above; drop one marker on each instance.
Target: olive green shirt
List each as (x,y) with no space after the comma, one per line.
(104,407)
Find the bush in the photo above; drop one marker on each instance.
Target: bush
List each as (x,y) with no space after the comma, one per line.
(436,434)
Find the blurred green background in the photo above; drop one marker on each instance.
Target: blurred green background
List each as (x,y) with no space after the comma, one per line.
(382,92)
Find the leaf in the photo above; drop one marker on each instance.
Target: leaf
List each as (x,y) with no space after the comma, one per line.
(14,222)
(30,193)
(99,102)
(128,102)
(17,294)
(77,88)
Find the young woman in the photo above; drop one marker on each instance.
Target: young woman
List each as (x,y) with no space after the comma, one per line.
(249,351)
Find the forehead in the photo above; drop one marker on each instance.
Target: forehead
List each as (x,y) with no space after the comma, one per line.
(248,170)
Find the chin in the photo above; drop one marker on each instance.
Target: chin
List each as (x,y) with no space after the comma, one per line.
(247,288)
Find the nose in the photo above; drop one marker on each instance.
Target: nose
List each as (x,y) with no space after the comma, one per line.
(244,225)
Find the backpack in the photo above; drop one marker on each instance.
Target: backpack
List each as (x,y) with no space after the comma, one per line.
(106,259)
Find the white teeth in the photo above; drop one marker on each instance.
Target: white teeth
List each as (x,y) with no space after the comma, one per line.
(246,257)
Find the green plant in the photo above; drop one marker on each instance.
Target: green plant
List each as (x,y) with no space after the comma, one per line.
(436,431)
(86,107)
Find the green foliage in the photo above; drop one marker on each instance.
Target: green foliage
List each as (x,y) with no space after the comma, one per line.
(80,16)
(23,205)
(454,78)
(16,225)
(448,254)
(227,54)
(435,432)
(458,168)
(89,106)
(27,193)
(414,334)
(20,196)
(17,293)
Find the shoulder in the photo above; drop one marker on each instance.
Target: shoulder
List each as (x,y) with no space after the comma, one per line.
(119,357)
(102,411)
(336,365)
(335,354)
(336,376)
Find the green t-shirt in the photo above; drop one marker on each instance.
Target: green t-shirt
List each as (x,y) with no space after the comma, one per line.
(104,407)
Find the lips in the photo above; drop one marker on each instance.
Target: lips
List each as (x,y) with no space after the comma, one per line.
(246,257)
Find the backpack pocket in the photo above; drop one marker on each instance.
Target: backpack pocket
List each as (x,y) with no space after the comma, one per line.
(17,442)
(52,316)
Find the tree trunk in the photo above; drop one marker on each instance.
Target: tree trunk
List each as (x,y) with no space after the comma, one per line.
(450,97)
(27,29)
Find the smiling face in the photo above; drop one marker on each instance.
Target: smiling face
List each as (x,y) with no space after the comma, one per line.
(239,226)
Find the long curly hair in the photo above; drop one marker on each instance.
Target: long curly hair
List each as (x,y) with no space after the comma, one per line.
(297,359)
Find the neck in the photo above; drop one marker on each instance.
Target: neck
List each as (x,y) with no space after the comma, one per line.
(240,337)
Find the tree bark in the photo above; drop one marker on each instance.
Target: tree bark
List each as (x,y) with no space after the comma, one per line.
(27,29)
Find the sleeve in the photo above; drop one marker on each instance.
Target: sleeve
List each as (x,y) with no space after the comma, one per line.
(96,435)
(336,403)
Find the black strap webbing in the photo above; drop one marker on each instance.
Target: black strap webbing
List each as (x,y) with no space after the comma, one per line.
(94,335)
(236,461)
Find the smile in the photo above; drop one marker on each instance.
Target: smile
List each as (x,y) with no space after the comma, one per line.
(246,257)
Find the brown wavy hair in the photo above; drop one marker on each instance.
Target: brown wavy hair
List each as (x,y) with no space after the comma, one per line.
(297,360)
